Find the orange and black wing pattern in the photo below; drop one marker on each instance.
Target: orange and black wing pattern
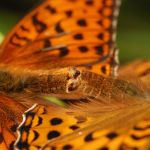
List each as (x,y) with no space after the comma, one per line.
(44,123)
(62,33)
(54,128)
(10,118)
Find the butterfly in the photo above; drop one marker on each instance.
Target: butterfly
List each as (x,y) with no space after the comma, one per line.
(117,123)
(67,49)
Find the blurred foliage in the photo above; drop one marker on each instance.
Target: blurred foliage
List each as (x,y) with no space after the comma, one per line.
(54,100)
(133,28)
(21,5)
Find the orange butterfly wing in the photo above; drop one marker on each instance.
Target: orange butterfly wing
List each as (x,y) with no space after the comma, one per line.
(66,33)
(141,70)
(10,118)
(119,131)
(58,128)
(51,121)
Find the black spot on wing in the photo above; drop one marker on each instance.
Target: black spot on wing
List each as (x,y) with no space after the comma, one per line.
(100,36)
(56,121)
(111,135)
(89,137)
(82,22)
(69,13)
(39,25)
(47,43)
(58,28)
(100,22)
(83,49)
(74,127)
(67,147)
(103,69)
(99,50)
(78,36)
(63,51)
(89,2)
(51,9)
(53,134)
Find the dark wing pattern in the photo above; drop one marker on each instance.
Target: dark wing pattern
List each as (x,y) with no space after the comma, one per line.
(62,33)
(59,128)
(10,118)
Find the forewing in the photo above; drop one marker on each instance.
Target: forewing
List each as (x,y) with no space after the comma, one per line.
(66,33)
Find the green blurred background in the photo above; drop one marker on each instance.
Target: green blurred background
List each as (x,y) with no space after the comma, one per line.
(133,28)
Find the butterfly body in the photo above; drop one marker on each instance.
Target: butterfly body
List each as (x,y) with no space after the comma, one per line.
(62,82)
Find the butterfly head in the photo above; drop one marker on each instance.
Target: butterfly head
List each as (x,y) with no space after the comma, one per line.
(63,81)
(73,80)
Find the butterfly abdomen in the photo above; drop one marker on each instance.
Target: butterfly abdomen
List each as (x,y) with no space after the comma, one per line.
(96,86)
